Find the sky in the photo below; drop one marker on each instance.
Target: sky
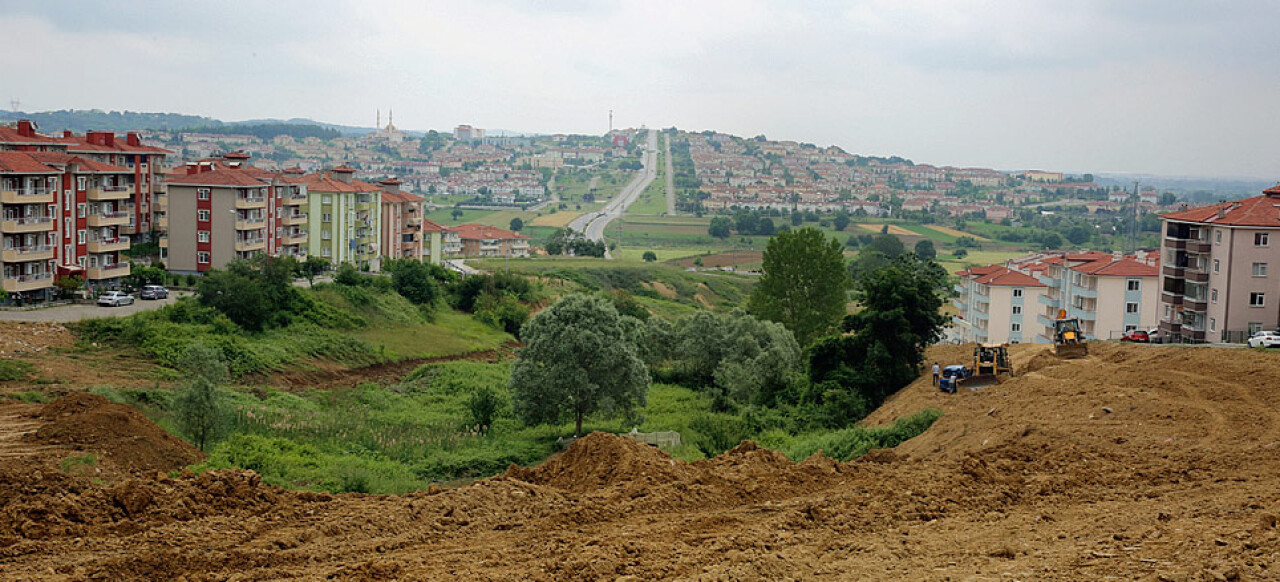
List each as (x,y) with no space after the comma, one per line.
(1164,87)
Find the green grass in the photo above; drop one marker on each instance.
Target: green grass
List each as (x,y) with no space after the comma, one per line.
(449,333)
(977,257)
(30,397)
(15,370)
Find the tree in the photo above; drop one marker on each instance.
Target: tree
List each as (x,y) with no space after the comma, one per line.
(312,267)
(804,284)
(960,253)
(456,213)
(719,227)
(413,280)
(237,294)
(201,408)
(925,250)
(516,224)
(649,256)
(841,220)
(68,285)
(483,404)
(577,360)
(888,244)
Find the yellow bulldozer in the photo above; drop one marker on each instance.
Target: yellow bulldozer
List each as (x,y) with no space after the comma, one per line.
(1068,340)
(990,365)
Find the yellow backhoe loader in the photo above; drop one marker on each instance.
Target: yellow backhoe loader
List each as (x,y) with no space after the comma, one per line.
(991,365)
(1068,340)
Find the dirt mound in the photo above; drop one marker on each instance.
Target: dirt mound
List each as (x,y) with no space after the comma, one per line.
(599,460)
(58,507)
(117,431)
(25,338)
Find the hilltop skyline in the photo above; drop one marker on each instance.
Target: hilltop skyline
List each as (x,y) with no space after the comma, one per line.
(1185,90)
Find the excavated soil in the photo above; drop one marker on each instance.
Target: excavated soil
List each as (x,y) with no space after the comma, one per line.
(1136,463)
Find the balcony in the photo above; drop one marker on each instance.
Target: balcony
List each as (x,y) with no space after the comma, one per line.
(1200,247)
(1195,304)
(1049,282)
(22,224)
(294,219)
(31,253)
(108,245)
(164,242)
(1178,244)
(23,283)
(1045,299)
(294,201)
(250,223)
(27,196)
(162,221)
(247,245)
(417,221)
(107,193)
(1085,292)
(250,202)
(109,271)
(958,304)
(1169,298)
(109,219)
(1045,320)
(1173,272)
(1197,275)
(295,238)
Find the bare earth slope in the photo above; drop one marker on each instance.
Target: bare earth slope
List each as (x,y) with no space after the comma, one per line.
(1137,463)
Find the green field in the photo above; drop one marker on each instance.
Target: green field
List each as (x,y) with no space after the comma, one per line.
(654,198)
(449,333)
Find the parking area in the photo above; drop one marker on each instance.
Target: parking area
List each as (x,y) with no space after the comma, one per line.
(68,313)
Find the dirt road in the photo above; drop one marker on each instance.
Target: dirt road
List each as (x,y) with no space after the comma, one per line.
(1132,464)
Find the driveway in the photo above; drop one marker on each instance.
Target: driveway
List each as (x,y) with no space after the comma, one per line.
(67,313)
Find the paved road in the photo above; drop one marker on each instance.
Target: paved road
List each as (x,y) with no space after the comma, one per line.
(671,180)
(68,313)
(592,225)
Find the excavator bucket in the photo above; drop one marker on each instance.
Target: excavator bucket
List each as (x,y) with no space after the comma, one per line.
(1068,351)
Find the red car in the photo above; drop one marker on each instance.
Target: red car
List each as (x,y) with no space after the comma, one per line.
(1136,335)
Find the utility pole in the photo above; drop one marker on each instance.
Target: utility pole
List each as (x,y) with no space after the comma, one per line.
(610,120)
(14,104)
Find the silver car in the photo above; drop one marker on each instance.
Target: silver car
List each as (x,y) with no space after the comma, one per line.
(115,299)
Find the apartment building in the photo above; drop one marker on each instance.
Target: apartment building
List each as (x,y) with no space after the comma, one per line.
(60,215)
(479,240)
(1110,294)
(145,166)
(996,305)
(345,218)
(439,241)
(402,233)
(221,210)
(1219,282)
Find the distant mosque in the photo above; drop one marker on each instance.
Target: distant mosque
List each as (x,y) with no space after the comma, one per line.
(389,133)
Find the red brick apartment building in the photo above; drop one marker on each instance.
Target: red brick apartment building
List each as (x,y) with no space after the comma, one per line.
(68,206)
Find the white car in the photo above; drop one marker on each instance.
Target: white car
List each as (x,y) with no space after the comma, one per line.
(115,299)
(1265,339)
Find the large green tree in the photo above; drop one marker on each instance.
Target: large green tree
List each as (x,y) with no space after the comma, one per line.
(577,359)
(804,285)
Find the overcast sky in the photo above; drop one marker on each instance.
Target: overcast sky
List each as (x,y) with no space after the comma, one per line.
(1163,87)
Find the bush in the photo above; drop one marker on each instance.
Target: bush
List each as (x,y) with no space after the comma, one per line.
(853,442)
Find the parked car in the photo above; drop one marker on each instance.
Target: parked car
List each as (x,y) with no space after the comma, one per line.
(1136,335)
(1265,339)
(115,298)
(154,292)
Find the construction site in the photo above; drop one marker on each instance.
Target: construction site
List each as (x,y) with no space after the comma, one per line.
(1134,462)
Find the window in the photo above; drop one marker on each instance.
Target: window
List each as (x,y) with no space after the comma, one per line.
(1131,307)
(1217,237)
(66,227)
(1261,239)
(1129,328)
(1257,299)
(202,257)
(202,236)
(1213,324)
(80,210)
(1017,327)
(1213,295)
(328,199)
(1017,309)
(67,252)
(1215,265)
(325,235)
(1017,292)
(1259,269)
(202,215)
(202,193)
(1255,327)
(326,217)
(80,237)
(1135,285)
(81,183)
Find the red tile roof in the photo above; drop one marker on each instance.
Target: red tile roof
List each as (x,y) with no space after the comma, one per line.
(429,226)
(484,232)
(11,136)
(217,177)
(1257,211)
(322,182)
(999,276)
(1124,267)
(23,163)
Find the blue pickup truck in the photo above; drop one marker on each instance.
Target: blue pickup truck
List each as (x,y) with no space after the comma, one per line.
(951,376)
